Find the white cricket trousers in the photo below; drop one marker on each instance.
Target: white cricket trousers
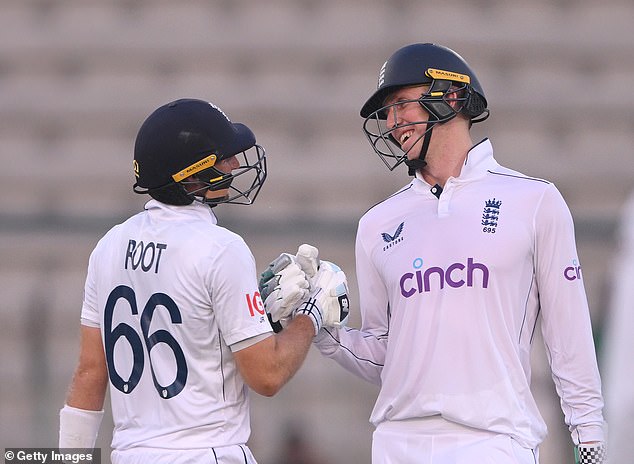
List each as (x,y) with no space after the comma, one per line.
(232,454)
(438,441)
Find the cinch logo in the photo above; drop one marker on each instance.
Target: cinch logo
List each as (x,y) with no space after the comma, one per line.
(573,272)
(456,275)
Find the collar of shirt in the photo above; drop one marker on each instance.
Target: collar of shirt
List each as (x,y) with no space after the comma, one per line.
(173,211)
(479,160)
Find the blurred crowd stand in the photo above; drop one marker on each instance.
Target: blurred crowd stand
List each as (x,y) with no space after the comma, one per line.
(78,78)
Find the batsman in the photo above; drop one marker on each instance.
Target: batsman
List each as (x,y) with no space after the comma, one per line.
(456,272)
(172,322)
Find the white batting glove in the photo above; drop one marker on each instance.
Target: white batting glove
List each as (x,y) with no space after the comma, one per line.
(283,285)
(328,304)
(308,259)
(334,298)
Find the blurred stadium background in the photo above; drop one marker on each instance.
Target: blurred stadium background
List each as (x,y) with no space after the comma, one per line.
(78,78)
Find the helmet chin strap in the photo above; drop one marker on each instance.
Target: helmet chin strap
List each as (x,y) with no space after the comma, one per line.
(415,164)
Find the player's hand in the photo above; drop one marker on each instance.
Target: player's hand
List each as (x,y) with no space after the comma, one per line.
(590,453)
(308,259)
(331,279)
(280,308)
(328,304)
(283,285)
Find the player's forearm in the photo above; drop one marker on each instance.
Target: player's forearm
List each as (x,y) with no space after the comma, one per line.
(292,346)
(581,399)
(88,389)
(269,364)
(589,433)
(575,370)
(358,352)
(80,418)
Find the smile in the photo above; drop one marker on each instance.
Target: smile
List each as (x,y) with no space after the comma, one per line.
(405,136)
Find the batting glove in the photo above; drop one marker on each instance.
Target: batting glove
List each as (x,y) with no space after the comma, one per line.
(283,285)
(328,304)
(593,453)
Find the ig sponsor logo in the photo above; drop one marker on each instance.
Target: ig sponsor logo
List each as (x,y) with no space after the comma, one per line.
(255,305)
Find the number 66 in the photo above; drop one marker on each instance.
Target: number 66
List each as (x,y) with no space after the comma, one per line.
(111,336)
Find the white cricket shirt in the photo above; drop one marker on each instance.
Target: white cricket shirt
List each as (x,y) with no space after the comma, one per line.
(171,292)
(450,292)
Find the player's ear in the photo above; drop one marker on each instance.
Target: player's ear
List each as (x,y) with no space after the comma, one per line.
(453,97)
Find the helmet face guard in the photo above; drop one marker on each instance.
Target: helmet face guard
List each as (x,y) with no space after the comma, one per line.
(243,183)
(441,101)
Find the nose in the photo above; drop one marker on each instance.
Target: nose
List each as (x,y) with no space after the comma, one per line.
(228,164)
(391,119)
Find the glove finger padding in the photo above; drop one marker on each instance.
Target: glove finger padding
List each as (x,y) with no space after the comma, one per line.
(268,278)
(334,300)
(283,285)
(328,304)
(308,259)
